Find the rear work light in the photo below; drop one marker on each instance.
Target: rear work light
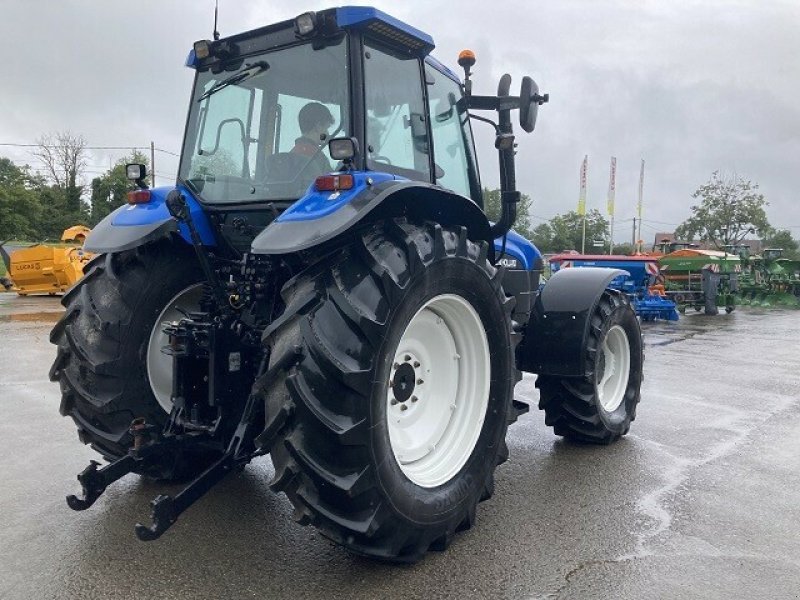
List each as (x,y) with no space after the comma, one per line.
(139,197)
(333,183)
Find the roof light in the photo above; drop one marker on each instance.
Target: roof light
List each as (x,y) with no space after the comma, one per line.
(135,171)
(333,183)
(139,197)
(343,148)
(305,23)
(202,49)
(466,58)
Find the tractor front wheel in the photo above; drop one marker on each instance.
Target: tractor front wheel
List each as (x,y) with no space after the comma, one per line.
(599,407)
(394,395)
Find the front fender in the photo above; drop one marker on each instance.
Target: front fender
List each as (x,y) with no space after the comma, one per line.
(320,217)
(133,225)
(556,335)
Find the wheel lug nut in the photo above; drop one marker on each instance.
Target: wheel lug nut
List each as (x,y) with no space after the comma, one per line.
(414,398)
(393,401)
(396,366)
(403,407)
(420,382)
(407,357)
(416,364)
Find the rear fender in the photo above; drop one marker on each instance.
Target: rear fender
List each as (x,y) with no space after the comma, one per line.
(556,335)
(133,225)
(309,223)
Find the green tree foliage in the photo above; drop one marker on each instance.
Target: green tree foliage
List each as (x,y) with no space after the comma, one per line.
(730,209)
(109,190)
(782,238)
(564,232)
(20,209)
(491,205)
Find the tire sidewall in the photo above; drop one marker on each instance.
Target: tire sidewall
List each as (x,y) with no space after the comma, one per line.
(619,419)
(447,275)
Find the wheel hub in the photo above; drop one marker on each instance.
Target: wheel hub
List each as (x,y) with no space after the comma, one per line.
(613,369)
(404,382)
(438,390)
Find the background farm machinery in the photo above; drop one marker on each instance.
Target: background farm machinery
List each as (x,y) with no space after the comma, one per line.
(701,279)
(46,268)
(650,303)
(768,279)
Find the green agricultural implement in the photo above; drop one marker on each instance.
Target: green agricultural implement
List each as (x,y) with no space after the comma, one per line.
(769,279)
(701,279)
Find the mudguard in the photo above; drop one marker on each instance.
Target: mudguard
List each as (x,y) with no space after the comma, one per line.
(133,225)
(320,217)
(555,337)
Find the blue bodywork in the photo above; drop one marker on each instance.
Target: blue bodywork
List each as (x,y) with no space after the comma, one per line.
(517,247)
(156,211)
(376,22)
(315,204)
(363,17)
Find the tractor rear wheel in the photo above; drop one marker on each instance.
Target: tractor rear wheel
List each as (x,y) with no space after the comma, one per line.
(599,407)
(109,363)
(394,393)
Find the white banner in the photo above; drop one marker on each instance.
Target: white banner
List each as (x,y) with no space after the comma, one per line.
(582,196)
(612,186)
(641,191)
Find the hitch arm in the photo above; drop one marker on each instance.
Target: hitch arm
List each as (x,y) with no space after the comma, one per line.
(167,509)
(94,481)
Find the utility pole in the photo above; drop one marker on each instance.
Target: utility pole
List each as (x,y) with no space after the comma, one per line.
(152,164)
(633,234)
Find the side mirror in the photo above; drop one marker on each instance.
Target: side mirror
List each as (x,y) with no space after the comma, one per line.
(529,102)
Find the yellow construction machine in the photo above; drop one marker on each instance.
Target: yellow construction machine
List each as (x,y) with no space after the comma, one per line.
(47,268)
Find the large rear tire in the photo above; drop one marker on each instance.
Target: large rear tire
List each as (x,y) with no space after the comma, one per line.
(407,326)
(599,407)
(104,338)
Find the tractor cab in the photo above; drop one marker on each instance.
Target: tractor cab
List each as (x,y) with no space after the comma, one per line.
(275,112)
(267,103)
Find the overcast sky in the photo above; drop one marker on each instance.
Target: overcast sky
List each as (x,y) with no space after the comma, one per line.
(690,87)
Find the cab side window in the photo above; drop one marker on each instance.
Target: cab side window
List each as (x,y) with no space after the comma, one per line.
(449,124)
(397,134)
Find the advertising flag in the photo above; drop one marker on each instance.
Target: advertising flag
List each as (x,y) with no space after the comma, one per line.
(641,191)
(612,186)
(582,197)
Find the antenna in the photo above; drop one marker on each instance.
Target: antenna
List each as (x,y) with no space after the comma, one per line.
(216,10)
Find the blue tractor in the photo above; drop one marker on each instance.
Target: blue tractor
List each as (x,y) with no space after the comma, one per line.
(321,284)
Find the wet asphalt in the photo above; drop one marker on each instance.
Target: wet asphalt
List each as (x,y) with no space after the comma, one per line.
(700,500)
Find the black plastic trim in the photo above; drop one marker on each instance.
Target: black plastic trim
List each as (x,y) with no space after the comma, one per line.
(106,237)
(555,337)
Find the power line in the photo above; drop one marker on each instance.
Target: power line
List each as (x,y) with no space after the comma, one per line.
(57,147)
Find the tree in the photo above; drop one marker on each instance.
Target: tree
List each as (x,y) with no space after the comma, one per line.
(564,232)
(20,208)
(109,190)
(64,158)
(730,209)
(781,238)
(492,208)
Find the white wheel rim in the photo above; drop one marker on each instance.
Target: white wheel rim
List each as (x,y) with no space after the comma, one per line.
(613,368)
(159,365)
(439,390)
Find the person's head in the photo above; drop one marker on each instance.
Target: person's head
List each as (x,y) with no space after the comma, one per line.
(315,120)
